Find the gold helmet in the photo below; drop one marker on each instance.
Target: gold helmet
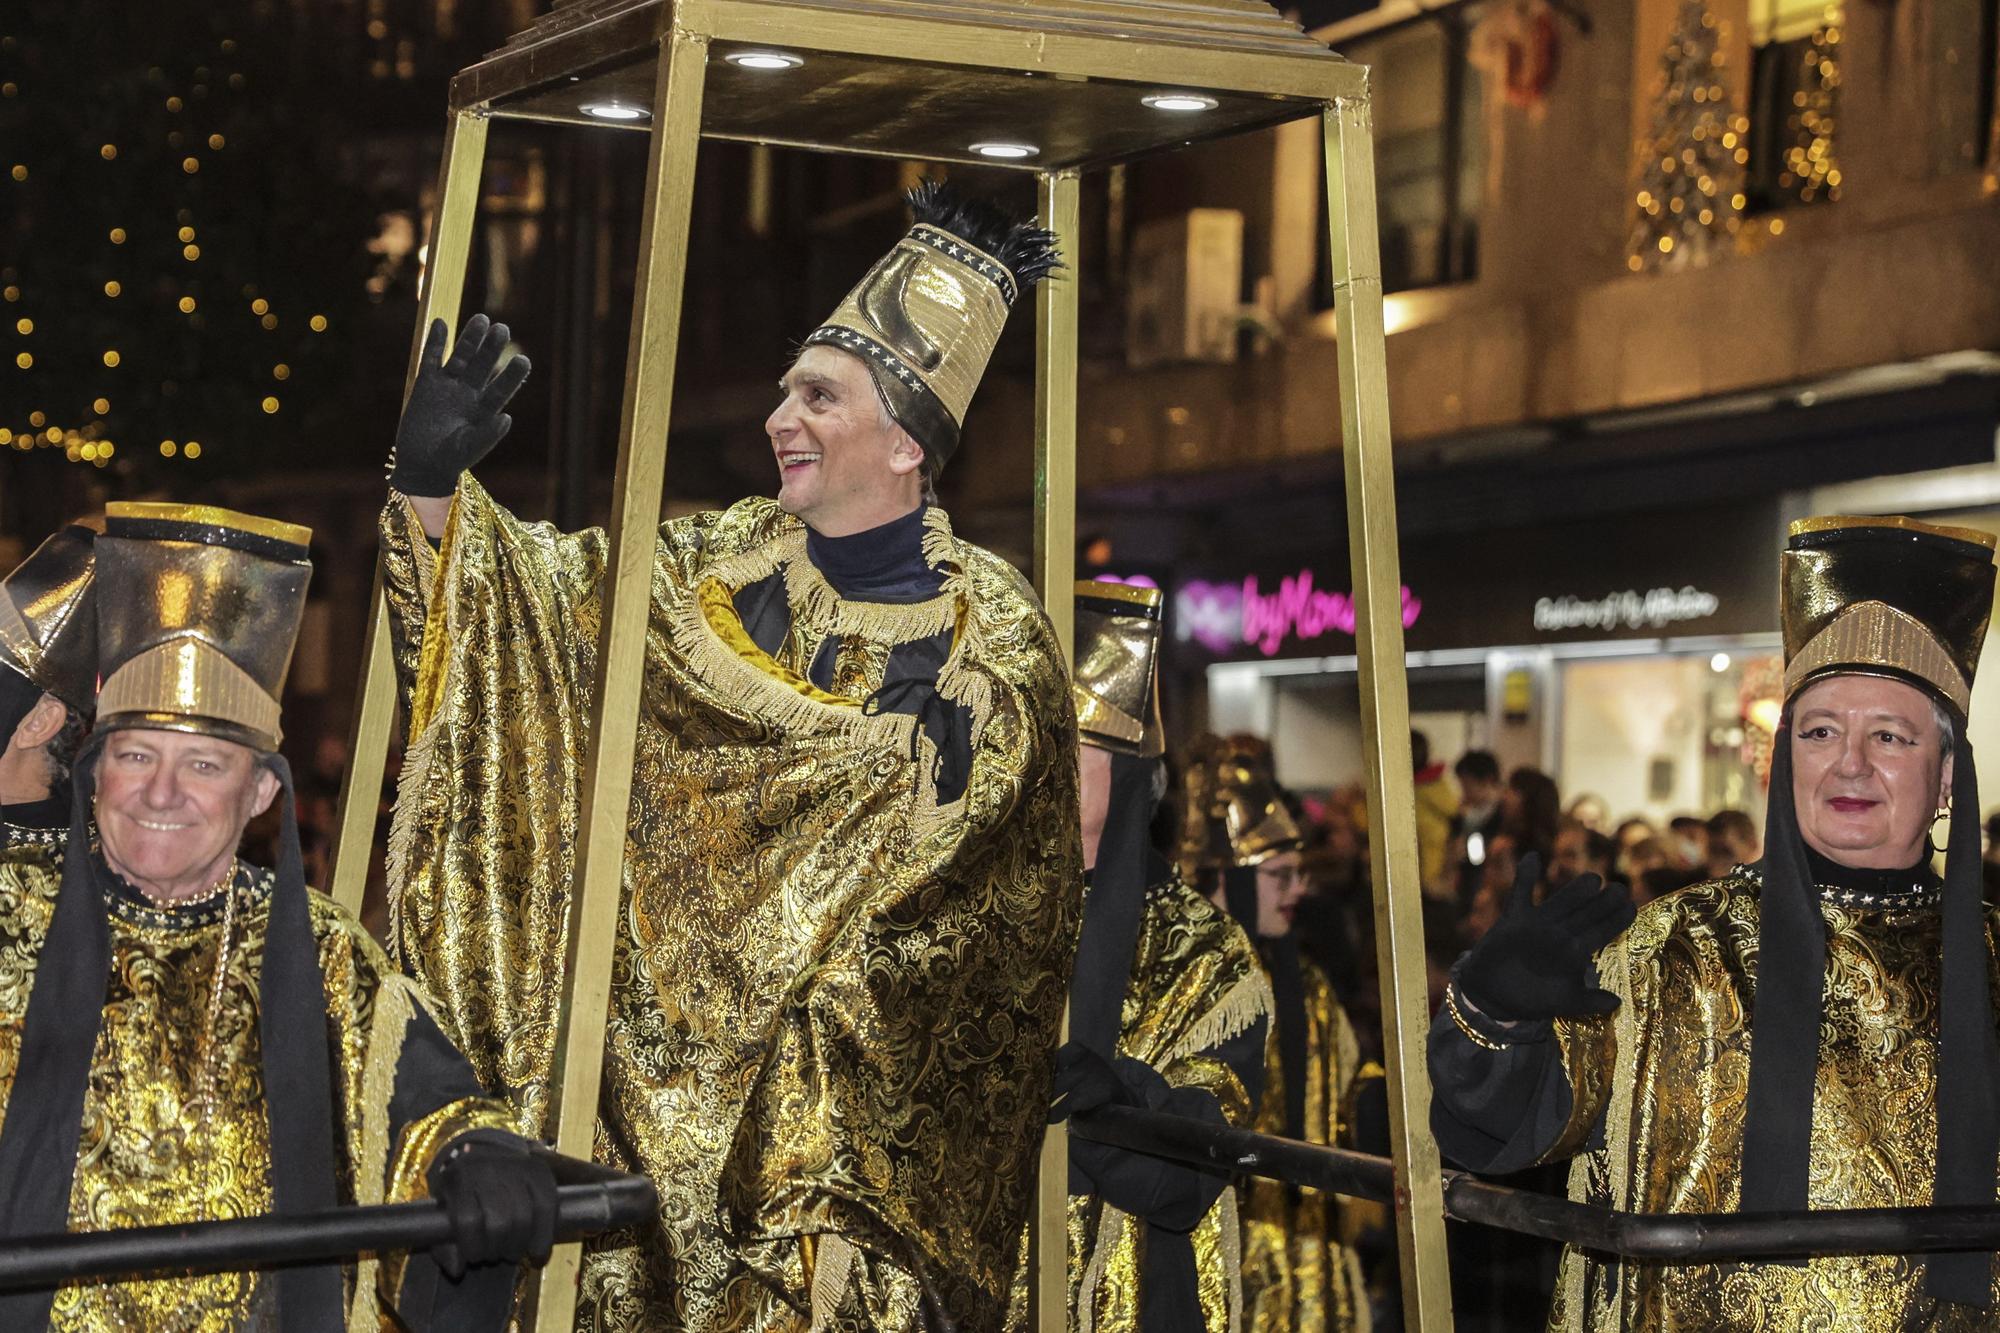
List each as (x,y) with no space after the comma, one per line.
(1886,596)
(1234,816)
(48,621)
(925,319)
(201,609)
(1116,683)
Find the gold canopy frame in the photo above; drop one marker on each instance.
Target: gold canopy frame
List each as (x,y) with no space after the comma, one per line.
(926,79)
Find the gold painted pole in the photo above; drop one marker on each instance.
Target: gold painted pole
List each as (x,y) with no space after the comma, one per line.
(1385,708)
(375,700)
(578,1066)
(1055,578)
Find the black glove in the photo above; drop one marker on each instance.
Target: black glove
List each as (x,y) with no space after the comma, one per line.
(1166,1194)
(501,1197)
(1535,962)
(1085,1081)
(454,417)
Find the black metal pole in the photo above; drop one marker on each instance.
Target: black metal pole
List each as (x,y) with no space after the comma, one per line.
(266,1242)
(1679,1238)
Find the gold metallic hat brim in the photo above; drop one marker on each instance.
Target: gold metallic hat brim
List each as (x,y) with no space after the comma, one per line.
(209,516)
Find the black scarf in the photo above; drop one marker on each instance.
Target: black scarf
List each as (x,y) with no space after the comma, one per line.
(1784,1034)
(41,1131)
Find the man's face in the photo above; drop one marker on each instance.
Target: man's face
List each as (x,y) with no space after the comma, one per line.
(1281,883)
(1478,794)
(171,807)
(843,462)
(1868,770)
(1093,772)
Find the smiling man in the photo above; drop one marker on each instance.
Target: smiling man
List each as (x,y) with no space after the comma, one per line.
(48,678)
(187,1037)
(1814,1030)
(853,869)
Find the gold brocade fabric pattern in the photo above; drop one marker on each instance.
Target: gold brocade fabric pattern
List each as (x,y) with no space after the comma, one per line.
(147,1156)
(1298,1277)
(834,1000)
(1195,984)
(1673,1116)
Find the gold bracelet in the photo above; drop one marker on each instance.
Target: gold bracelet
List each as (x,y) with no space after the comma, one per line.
(1472,1035)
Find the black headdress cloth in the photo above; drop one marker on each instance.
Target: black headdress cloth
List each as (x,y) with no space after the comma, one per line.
(1791,936)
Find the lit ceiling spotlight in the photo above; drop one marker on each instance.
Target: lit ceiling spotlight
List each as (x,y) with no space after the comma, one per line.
(1180,102)
(764,59)
(618,111)
(1005,151)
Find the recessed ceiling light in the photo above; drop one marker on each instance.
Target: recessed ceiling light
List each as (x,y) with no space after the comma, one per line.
(1005,150)
(616,111)
(764,59)
(1179,102)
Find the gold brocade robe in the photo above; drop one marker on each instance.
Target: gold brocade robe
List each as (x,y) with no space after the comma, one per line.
(1196,984)
(148,1156)
(1298,1275)
(1669,1073)
(835,999)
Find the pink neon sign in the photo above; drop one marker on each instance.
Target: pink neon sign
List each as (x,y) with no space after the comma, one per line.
(1225,616)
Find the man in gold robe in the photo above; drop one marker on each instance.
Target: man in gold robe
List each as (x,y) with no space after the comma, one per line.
(852,875)
(1243,846)
(1814,1030)
(187,1037)
(1169,1011)
(48,677)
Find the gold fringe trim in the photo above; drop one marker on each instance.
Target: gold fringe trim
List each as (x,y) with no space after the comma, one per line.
(831,1270)
(1232,1257)
(386,1032)
(1234,1014)
(1111,1226)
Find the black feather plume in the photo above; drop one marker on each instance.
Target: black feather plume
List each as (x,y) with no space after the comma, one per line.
(1029,252)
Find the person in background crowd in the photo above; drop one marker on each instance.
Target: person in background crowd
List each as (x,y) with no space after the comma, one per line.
(1533,810)
(1636,829)
(1479,815)
(1687,843)
(1661,881)
(1732,842)
(1495,883)
(1580,849)
(1644,857)
(1437,807)
(1590,811)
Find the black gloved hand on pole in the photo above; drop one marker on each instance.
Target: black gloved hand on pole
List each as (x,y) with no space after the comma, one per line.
(454,415)
(501,1197)
(1535,963)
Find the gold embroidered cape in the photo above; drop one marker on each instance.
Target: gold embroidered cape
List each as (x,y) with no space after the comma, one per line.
(149,1155)
(1196,985)
(1669,1074)
(835,1000)
(1298,1274)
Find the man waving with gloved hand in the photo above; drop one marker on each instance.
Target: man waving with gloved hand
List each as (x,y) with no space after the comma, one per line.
(1504,1097)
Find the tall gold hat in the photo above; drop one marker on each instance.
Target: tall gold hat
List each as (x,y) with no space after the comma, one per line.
(1886,596)
(925,319)
(1116,684)
(48,627)
(1234,816)
(198,613)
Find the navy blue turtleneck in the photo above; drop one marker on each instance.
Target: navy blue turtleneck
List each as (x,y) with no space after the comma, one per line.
(882,564)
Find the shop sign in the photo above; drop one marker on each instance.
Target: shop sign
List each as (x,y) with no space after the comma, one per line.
(1656,608)
(1224,617)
